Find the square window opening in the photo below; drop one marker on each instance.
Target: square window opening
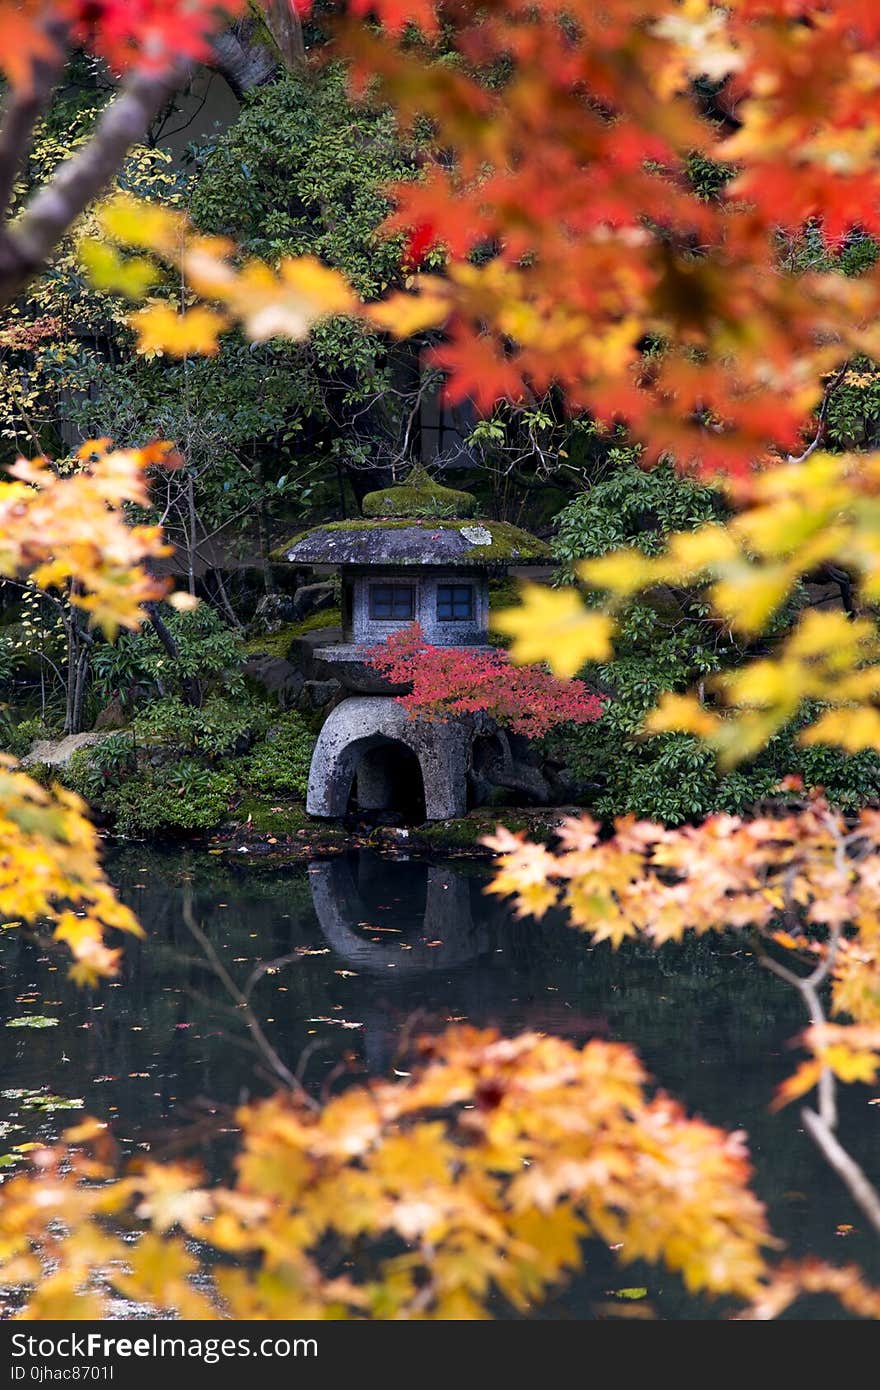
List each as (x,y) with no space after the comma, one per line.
(455,603)
(392,603)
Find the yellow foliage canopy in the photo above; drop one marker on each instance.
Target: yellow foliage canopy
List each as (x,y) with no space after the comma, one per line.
(480,1173)
(59,527)
(50,871)
(69,530)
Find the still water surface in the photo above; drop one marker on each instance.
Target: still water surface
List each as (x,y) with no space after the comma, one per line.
(369,950)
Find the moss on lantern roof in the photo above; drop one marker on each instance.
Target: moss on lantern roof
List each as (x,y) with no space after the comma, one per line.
(397,541)
(419,495)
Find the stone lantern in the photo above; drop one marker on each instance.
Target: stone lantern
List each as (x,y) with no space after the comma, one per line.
(418,555)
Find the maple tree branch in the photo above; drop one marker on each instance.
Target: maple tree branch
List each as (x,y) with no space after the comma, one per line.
(275,1062)
(24,106)
(860,1189)
(822,421)
(808,986)
(27,243)
(808,992)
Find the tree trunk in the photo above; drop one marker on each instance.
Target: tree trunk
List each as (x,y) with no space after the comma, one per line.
(192,693)
(285,26)
(244,61)
(79,694)
(263,540)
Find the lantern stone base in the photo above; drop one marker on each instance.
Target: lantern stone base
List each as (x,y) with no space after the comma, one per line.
(360,746)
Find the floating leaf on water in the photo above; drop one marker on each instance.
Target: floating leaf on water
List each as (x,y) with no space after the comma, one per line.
(339,1022)
(32,1021)
(49,1103)
(41,1100)
(631,1293)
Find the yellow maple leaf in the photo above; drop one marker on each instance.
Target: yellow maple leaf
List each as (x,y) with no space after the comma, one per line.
(405,314)
(131,221)
(852,729)
(287,303)
(133,276)
(747,596)
(553,625)
(681,714)
(691,553)
(623,572)
(161,329)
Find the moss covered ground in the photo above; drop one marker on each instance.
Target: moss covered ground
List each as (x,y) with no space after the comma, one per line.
(278,643)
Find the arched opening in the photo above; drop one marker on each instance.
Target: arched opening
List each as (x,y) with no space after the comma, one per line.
(374,759)
(388,787)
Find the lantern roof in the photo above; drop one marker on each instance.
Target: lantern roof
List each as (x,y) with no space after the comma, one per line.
(421,497)
(417,522)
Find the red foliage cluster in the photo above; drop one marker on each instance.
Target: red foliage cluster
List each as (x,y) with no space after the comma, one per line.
(468,680)
(562,195)
(152,34)
(28,335)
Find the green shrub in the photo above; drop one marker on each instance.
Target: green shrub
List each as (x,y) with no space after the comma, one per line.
(220,727)
(17,738)
(92,771)
(281,762)
(631,506)
(140,798)
(137,662)
(157,801)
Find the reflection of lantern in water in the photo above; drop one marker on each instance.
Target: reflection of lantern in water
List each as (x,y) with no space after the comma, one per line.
(440,936)
(431,930)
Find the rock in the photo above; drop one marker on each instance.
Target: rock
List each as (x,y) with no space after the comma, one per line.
(112,716)
(301,652)
(508,761)
(823,596)
(57,752)
(272,613)
(316,695)
(276,675)
(311,598)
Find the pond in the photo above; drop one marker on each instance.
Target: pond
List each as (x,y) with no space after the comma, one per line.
(348,958)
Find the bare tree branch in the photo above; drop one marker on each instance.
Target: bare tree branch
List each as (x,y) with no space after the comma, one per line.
(265,1048)
(23,109)
(822,417)
(26,243)
(860,1189)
